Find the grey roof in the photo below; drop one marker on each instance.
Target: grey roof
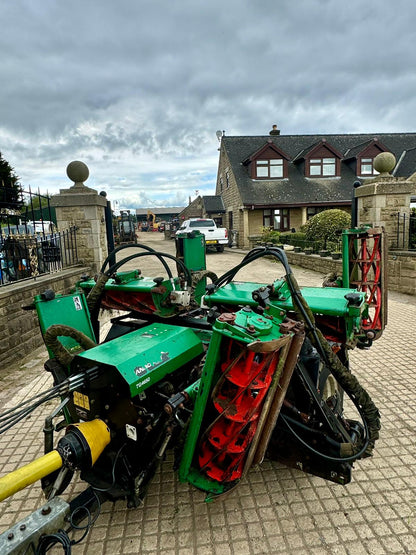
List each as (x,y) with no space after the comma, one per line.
(213,203)
(159,210)
(298,189)
(406,165)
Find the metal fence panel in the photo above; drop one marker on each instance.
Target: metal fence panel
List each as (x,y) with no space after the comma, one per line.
(23,256)
(406,231)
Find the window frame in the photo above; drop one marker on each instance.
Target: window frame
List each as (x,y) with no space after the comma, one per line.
(318,163)
(367,161)
(267,163)
(315,210)
(270,216)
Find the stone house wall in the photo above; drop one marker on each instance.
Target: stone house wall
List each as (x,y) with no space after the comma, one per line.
(232,200)
(296,218)
(194,210)
(402,272)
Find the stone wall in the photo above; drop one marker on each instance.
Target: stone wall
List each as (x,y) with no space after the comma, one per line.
(402,272)
(314,262)
(19,329)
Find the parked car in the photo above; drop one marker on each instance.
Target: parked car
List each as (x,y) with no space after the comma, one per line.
(215,237)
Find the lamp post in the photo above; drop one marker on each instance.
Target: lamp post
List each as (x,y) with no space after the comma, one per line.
(354,205)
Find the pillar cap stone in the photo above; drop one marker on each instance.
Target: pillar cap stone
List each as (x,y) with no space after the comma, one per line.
(77,172)
(384,163)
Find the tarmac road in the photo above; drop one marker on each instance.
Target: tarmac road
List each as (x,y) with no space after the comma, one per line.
(275,509)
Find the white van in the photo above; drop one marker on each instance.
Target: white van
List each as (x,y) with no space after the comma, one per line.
(42,226)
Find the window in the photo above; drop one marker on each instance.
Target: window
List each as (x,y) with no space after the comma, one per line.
(269,168)
(277,218)
(322,167)
(201,223)
(221,183)
(366,167)
(312,210)
(227,179)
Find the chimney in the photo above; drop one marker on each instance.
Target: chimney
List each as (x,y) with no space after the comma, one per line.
(274,130)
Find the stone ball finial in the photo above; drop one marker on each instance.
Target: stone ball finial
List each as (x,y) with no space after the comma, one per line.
(384,163)
(77,172)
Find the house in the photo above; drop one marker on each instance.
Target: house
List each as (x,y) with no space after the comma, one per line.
(280,181)
(208,206)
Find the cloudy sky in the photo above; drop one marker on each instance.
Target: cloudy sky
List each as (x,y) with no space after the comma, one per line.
(138,88)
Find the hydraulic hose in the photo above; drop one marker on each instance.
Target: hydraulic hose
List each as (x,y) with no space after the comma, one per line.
(60,352)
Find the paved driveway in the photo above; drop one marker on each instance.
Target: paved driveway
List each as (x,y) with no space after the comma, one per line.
(276,509)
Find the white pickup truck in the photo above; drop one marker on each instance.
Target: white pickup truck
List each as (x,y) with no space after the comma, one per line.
(216,237)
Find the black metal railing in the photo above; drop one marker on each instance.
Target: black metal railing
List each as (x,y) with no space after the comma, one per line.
(29,256)
(406,231)
(30,213)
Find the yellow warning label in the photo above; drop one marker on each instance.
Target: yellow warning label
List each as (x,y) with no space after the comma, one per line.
(81,400)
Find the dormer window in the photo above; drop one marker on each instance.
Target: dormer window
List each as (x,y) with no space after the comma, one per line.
(322,167)
(366,167)
(269,162)
(361,157)
(269,168)
(321,160)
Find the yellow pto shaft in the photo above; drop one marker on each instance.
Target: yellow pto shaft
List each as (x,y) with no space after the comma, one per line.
(80,447)
(28,474)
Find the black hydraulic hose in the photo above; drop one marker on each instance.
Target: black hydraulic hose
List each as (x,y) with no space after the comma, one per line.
(159,255)
(186,271)
(250,257)
(120,248)
(149,251)
(11,416)
(351,458)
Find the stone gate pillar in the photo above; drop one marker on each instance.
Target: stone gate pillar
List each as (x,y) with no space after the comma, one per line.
(381,199)
(83,207)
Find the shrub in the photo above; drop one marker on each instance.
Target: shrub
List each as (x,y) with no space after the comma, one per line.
(327,225)
(270,236)
(297,239)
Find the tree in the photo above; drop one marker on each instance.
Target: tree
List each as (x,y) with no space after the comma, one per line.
(10,196)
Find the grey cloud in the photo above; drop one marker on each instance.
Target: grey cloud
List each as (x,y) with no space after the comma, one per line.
(141,80)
